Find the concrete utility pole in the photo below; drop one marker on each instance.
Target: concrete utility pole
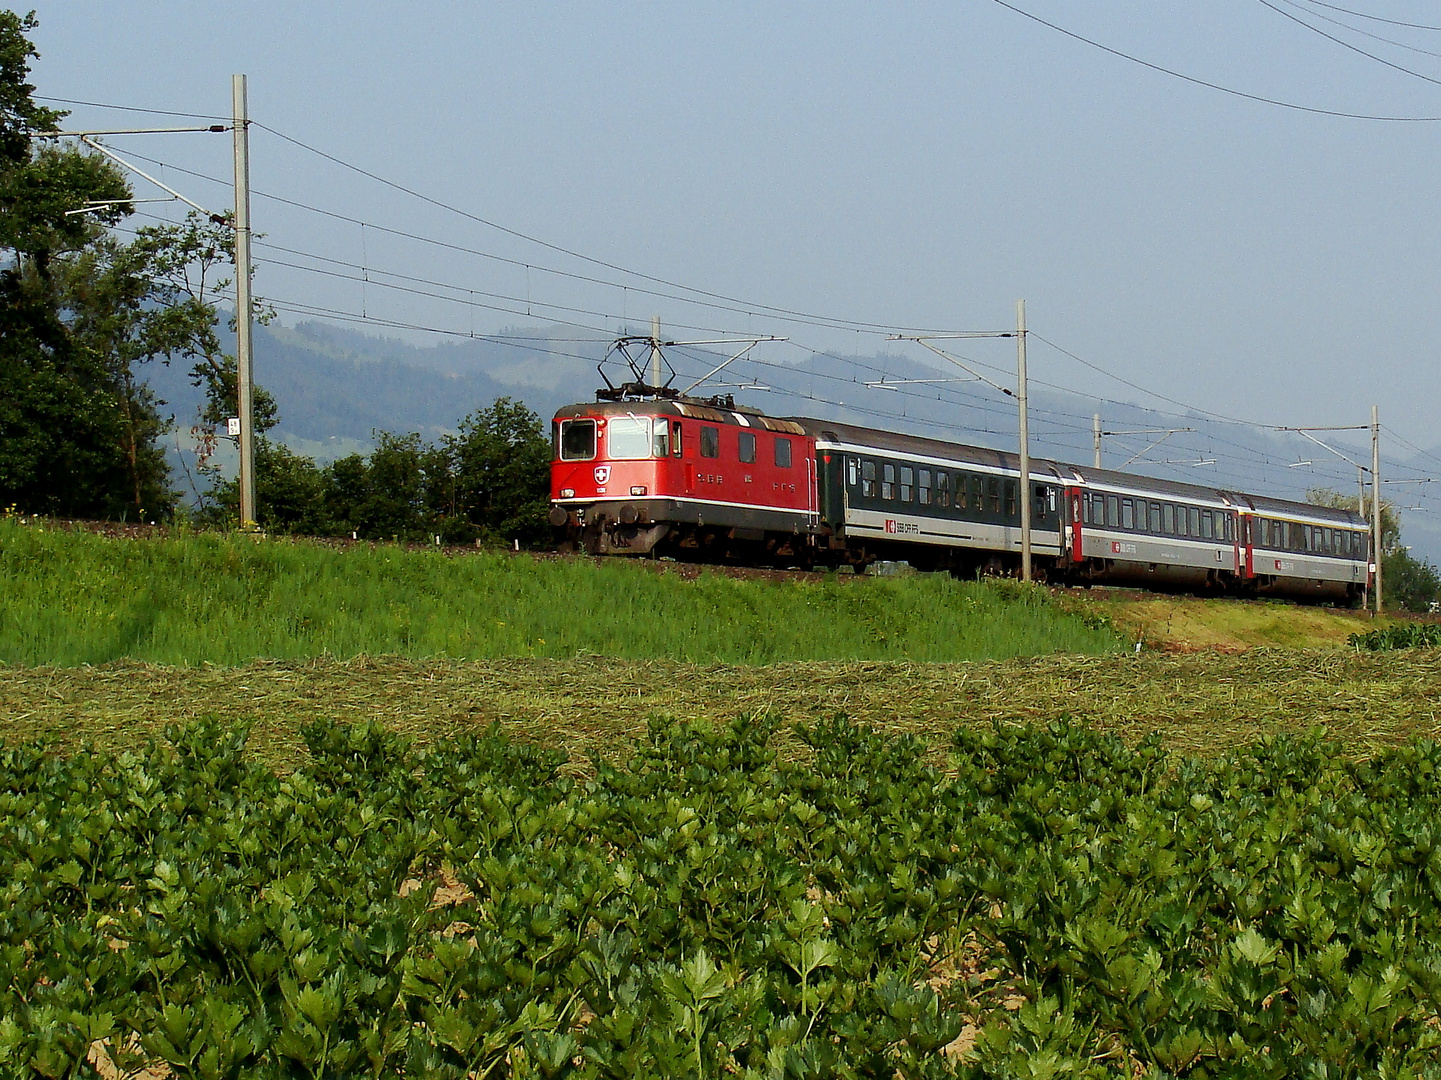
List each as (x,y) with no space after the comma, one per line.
(244,353)
(655,351)
(1096,436)
(1376,498)
(1025,440)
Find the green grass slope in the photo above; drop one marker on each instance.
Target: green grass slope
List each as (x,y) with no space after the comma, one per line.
(70,597)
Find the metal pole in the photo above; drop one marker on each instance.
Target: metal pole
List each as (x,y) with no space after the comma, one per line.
(1361,509)
(1096,436)
(1376,498)
(1025,441)
(244,353)
(655,351)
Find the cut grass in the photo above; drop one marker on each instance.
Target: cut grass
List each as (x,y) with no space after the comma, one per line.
(70,597)
(1205,703)
(1188,623)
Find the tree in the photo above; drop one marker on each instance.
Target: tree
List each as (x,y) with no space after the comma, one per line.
(1407,583)
(60,427)
(500,462)
(81,313)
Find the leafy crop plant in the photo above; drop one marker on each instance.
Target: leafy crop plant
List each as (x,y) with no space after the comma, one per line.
(1057,903)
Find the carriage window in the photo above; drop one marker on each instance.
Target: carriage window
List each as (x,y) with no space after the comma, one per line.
(852,471)
(1128,514)
(1085,509)
(868,479)
(943,489)
(577,440)
(746,446)
(783,456)
(1155,517)
(888,481)
(1194,514)
(709,442)
(1012,490)
(1113,511)
(1044,501)
(1206,525)
(1168,519)
(908,477)
(973,485)
(923,487)
(993,494)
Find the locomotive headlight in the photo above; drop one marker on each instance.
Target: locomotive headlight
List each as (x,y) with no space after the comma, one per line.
(567,493)
(638,489)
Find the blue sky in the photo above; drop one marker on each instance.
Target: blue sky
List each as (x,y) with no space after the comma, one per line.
(917,165)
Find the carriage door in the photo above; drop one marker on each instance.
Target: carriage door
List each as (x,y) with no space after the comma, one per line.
(683,450)
(1073,530)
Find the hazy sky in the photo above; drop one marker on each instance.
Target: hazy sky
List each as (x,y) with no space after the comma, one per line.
(917,165)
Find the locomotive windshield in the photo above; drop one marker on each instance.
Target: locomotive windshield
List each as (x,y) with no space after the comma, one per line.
(577,440)
(629,437)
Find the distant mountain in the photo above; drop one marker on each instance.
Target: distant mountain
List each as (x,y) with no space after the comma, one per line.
(337,387)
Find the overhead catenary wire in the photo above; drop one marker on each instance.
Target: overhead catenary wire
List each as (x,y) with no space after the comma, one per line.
(1260,98)
(1347,45)
(1374,18)
(1357,30)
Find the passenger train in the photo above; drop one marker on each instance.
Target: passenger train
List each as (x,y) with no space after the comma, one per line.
(708,480)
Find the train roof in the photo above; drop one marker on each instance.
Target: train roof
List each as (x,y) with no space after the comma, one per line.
(716,412)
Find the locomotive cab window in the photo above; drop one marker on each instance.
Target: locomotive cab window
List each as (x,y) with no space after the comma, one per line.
(746,446)
(783,456)
(629,437)
(709,442)
(577,440)
(662,440)
(675,438)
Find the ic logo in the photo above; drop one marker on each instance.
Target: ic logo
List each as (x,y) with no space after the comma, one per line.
(602,474)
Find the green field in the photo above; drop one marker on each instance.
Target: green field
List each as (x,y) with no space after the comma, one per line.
(70,597)
(275,809)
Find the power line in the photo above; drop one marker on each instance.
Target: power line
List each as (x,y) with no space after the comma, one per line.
(848,327)
(1357,30)
(131,108)
(1347,45)
(743,304)
(1374,18)
(1217,86)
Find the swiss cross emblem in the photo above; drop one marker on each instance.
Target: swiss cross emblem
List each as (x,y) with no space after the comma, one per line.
(602,474)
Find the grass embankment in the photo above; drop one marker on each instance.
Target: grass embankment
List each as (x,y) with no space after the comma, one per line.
(1188,623)
(1203,703)
(69,597)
